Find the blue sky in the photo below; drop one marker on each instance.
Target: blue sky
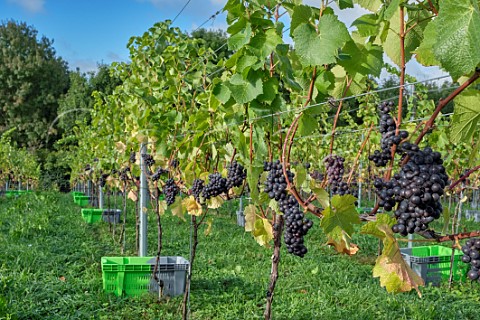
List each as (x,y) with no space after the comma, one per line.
(87,32)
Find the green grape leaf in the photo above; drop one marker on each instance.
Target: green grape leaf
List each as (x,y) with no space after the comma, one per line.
(391,9)
(394,273)
(322,48)
(262,44)
(244,91)
(238,40)
(307,124)
(363,59)
(338,221)
(221,92)
(300,175)
(344,4)
(424,53)
(372,5)
(340,216)
(301,14)
(245,61)
(322,195)
(466,116)
(367,25)
(458,37)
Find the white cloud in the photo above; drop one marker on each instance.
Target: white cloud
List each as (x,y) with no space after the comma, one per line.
(32,6)
(85,65)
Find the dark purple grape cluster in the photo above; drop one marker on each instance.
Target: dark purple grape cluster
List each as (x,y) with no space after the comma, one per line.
(342,189)
(124,174)
(87,167)
(471,255)
(103,179)
(216,186)
(317,175)
(158,173)
(236,175)
(132,157)
(174,163)
(335,169)
(170,190)
(148,159)
(197,188)
(416,190)
(296,225)
(387,128)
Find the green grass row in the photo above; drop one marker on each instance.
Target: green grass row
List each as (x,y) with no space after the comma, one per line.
(50,269)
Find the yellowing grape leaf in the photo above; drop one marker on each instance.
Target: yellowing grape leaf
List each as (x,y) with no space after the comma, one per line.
(177,208)
(192,206)
(208,230)
(121,147)
(132,195)
(344,245)
(162,207)
(263,231)
(250,217)
(215,202)
(394,273)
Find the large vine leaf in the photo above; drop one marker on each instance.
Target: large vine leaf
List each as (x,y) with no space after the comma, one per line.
(458,37)
(424,53)
(372,5)
(263,232)
(177,208)
(193,207)
(363,59)
(338,223)
(322,48)
(394,273)
(367,25)
(245,90)
(466,116)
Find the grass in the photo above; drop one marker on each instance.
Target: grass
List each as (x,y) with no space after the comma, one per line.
(50,269)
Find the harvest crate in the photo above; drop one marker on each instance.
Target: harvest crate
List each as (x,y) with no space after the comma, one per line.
(432,263)
(132,276)
(82,201)
(111,215)
(92,215)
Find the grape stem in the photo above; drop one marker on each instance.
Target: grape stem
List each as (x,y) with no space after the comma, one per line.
(286,165)
(358,154)
(463,177)
(441,104)
(335,120)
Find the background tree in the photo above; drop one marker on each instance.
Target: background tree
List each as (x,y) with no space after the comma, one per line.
(32,78)
(216,40)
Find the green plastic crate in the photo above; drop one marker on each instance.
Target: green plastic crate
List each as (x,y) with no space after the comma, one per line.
(92,215)
(132,276)
(82,201)
(77,193)
(16,193)
(432,263)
